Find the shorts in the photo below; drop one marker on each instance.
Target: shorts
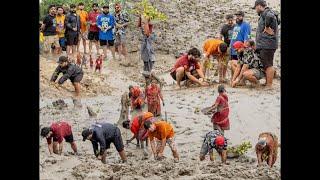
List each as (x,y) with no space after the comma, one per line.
(234,57)
(62,42)
(72,39)
(258,73)
(185,77)
(68,138)
(93,36)
(120,39)
(49,41)
(266,57)
(106,42)
(76,79)
(117,141)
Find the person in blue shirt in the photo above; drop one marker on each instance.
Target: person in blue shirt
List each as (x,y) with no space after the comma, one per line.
(106,24)
(241,32)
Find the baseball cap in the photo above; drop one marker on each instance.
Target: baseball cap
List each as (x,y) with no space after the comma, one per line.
(241,13)
(259,2)
(62,59)
(85,134)
(238,44)
(219,141)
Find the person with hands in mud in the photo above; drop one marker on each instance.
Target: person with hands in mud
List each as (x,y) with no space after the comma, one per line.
(188,67)
(137,98)
(56,132)
(163,132)
(70,71)
(267,148)
(104,134)
(220,117)
(137,127)
(214,140)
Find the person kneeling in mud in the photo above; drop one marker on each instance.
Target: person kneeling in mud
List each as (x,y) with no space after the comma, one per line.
(104,134)
(56,132)
(214,140)
(164,134)
(137,98)
(249,66)
(70,71)
(137,128)
(188,67)
(220,118)
(267,148)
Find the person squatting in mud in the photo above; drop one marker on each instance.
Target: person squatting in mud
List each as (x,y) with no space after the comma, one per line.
(216,48)
(188,67)
(162,133)
(137,98)
(56,132)
(70,71)
(249,66)
(214,140)
(220,118)
(137,128)
(104,134)
(267,148)
(153,95)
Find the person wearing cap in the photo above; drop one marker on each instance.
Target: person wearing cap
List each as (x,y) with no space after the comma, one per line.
(57,132)
(160,134)
(267,148)
(137,128)
(220,118)
(106,23)
(214,140)
(267,37)
(69,71)
(153,96)
(72,23)
(249,66)
(226,29)
(93,34)
(216,48)
(104,134)
(122,22)
(241,32)
(188,67)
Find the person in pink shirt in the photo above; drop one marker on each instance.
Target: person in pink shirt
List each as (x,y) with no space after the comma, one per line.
(93,34)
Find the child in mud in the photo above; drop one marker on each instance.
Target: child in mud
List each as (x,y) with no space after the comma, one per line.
(98,64)
(104,134)
(214,140)
(164,134)
(56,132)
(249,66)
(137,128)
(153,95)
(137,98)
(70,71)
(220,118)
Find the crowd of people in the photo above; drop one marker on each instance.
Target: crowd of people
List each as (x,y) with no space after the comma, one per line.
(249,60)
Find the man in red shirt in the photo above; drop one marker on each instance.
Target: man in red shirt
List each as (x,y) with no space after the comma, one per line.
(187,66)
(93,34)
(58,131)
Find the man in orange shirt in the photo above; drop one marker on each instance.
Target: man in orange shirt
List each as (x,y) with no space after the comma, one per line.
(83,27)
(164,134)
(216,48)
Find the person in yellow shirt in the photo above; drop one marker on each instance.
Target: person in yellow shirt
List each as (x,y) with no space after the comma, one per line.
(164,134)
(83,26)
(61,28)
(216,48)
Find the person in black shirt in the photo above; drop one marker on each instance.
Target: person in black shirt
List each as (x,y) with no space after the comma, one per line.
(72,23)
(70,71)
(226,30)
(48,28)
